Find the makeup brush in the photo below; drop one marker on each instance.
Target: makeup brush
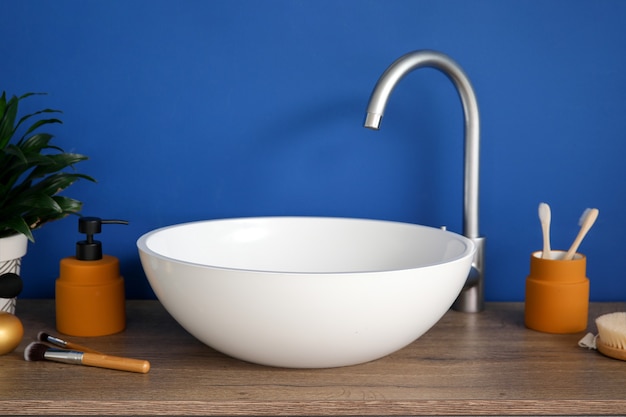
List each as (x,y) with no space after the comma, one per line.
(38,352)
(65,344)
(545,216)
(586,221)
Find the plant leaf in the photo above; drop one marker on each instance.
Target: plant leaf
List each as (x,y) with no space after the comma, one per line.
(56,183)
(36,201)
(3,102)
(54,163)
(16,224)
(31,172)
(7,121)
(68,205)
(36,143)
(38,123)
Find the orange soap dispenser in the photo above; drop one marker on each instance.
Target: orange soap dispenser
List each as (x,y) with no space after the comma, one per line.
(90,297)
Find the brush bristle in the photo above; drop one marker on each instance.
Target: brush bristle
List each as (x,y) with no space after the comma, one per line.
(612,329)
(35,351)
(583,216)
(43,336)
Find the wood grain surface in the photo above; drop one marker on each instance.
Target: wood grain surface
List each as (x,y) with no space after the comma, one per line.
(468,364)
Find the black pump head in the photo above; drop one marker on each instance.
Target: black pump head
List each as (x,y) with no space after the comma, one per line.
(90,249)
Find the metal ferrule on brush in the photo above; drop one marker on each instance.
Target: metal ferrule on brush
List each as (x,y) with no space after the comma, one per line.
(56,340)
(64,356)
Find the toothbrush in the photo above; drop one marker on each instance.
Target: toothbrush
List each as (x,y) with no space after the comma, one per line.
(586,221)
(545,215)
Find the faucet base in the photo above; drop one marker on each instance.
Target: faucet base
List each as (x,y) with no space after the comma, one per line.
(472,298)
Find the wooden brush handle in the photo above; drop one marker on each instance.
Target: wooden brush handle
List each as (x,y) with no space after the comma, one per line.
(80,348)
(116,362)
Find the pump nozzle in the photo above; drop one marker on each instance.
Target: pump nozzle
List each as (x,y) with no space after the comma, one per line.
(90,249)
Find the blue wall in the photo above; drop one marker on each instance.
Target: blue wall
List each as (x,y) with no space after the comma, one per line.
(207,109)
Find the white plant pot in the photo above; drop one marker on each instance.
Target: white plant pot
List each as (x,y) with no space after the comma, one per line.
(12,249)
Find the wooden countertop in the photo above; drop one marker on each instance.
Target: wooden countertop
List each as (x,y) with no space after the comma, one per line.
(486,363)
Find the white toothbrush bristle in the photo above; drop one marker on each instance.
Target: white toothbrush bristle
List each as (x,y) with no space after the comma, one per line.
(583,216)
(544,211)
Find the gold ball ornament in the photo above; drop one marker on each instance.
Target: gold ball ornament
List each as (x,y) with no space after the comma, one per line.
(11,332)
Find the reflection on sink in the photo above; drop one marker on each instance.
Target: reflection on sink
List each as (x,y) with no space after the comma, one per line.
(306,292)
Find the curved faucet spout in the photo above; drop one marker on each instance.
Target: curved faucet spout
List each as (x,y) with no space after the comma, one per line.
(471,298)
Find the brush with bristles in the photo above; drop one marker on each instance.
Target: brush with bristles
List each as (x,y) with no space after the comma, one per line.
(37,351)
(587,220)
(611,340)
(65,344)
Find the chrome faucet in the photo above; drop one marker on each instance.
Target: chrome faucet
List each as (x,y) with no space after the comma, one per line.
(471,298)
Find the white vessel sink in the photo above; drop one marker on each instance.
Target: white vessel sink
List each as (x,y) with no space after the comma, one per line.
(305,292)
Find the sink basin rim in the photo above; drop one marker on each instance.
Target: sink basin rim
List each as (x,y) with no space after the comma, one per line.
(144,243)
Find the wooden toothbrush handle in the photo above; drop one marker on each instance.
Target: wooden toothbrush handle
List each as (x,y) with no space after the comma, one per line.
(116,362)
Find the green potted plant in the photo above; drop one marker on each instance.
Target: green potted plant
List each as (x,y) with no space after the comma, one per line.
(32,174)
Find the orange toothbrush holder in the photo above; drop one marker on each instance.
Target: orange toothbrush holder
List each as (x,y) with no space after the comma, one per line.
(557,294)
